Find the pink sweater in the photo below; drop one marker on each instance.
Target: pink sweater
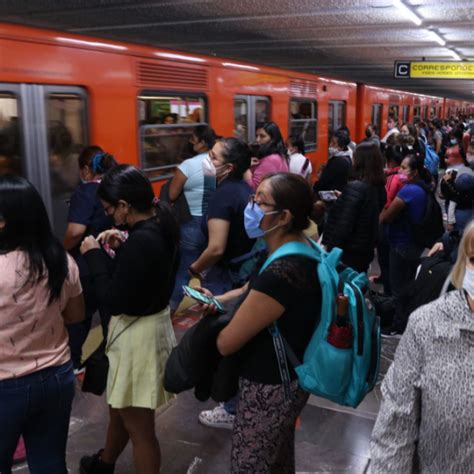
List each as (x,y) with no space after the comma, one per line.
(270,164)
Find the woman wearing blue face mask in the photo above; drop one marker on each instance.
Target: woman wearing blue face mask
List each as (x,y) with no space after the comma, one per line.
(228,244)
(425,422)
(287,291)
(86,217)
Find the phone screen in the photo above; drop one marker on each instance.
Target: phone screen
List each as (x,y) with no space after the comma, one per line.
(202,298)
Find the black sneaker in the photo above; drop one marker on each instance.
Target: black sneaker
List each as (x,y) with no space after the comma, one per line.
(94,465)
(391,333)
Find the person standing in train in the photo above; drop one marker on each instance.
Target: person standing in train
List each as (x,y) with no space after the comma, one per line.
(392,128)
(86,217)
(425,422)
(136,290)
(189,179)
(40,292)
(272,155)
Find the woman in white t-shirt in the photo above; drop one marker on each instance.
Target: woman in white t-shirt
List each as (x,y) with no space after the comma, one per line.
(190,180)
(40,292)
(299,164)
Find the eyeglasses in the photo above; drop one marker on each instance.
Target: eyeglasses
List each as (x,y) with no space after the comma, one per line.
(253,201)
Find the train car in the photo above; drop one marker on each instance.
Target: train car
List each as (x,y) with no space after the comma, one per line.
(59,92)
(375,104)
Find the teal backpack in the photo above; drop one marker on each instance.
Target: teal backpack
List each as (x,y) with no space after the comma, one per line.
(431,160)
(343,376)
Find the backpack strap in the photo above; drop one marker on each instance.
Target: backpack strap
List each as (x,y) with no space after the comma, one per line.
(295,248)
(305,167)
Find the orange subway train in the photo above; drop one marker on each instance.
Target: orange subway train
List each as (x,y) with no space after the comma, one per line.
(59,92)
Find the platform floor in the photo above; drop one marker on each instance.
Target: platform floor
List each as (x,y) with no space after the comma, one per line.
(329,438)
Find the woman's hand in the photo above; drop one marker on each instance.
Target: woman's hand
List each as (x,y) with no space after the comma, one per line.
(207,309)
(254,161)
(111,237)
(89,243)
(437,247)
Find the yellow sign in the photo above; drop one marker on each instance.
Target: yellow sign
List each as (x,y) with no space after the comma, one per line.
(435,70)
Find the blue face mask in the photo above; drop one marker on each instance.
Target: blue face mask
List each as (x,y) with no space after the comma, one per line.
(253,216)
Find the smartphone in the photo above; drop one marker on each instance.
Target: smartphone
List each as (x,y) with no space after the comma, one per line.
(328,195)
(202,298)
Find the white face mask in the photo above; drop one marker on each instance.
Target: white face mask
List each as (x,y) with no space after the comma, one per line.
(468,282)
(333,150)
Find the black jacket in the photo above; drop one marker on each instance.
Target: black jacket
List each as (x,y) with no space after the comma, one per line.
(335,174)
(352,223)
(196,362)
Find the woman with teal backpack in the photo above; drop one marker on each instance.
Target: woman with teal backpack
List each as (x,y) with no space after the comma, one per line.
(287,291)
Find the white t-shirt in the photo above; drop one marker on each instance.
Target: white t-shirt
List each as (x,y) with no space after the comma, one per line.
(196,189)
(297,162)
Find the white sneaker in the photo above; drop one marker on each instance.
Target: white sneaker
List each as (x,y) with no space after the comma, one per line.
(217,418)
(79,371)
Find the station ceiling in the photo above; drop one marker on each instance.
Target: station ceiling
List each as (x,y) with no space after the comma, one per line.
(354,40)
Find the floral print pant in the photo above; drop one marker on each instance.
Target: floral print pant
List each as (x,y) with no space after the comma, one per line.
(263,439)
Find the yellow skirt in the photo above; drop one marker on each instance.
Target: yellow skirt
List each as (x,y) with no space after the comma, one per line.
(137,360)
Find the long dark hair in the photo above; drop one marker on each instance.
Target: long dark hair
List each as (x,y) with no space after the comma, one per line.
(129,184)
(27,228)
(291,191)
(368,164)
(276,145)
(236,152)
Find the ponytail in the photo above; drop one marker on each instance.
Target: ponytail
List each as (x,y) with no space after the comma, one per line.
(168,223)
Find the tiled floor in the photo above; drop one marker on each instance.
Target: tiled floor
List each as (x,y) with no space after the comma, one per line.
(330,438)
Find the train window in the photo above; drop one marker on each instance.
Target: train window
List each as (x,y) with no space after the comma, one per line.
(67,136)
(10,140)
(377,116)
(241,118)
(336,115)
(262,111)
(250,112)
(416,113)
(303,121)
(425,113)
(432,112)
(166,125)
(393,110)
(405,113)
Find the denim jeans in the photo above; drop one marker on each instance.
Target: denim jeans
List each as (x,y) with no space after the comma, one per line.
(404,260)
(192,244)
(37,406)
(78,332)
(219,279)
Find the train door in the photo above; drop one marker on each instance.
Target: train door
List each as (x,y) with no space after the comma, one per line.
(42,131)
(250,113)
(377,117)
(336,117)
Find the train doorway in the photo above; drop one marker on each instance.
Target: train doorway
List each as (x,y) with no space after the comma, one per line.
(43,128)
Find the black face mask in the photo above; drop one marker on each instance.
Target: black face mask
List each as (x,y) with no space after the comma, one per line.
(122,227)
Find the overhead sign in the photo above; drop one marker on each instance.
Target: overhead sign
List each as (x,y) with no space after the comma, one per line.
(434,70)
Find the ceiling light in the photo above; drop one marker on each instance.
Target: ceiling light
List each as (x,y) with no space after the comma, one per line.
(409,13)
(455,55)
(91,43)
(181,56)
(437,38)
(242,66)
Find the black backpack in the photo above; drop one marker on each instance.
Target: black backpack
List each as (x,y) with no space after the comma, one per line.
(428,284)
(430,228)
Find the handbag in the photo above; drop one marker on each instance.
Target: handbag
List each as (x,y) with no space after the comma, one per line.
(97,366)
